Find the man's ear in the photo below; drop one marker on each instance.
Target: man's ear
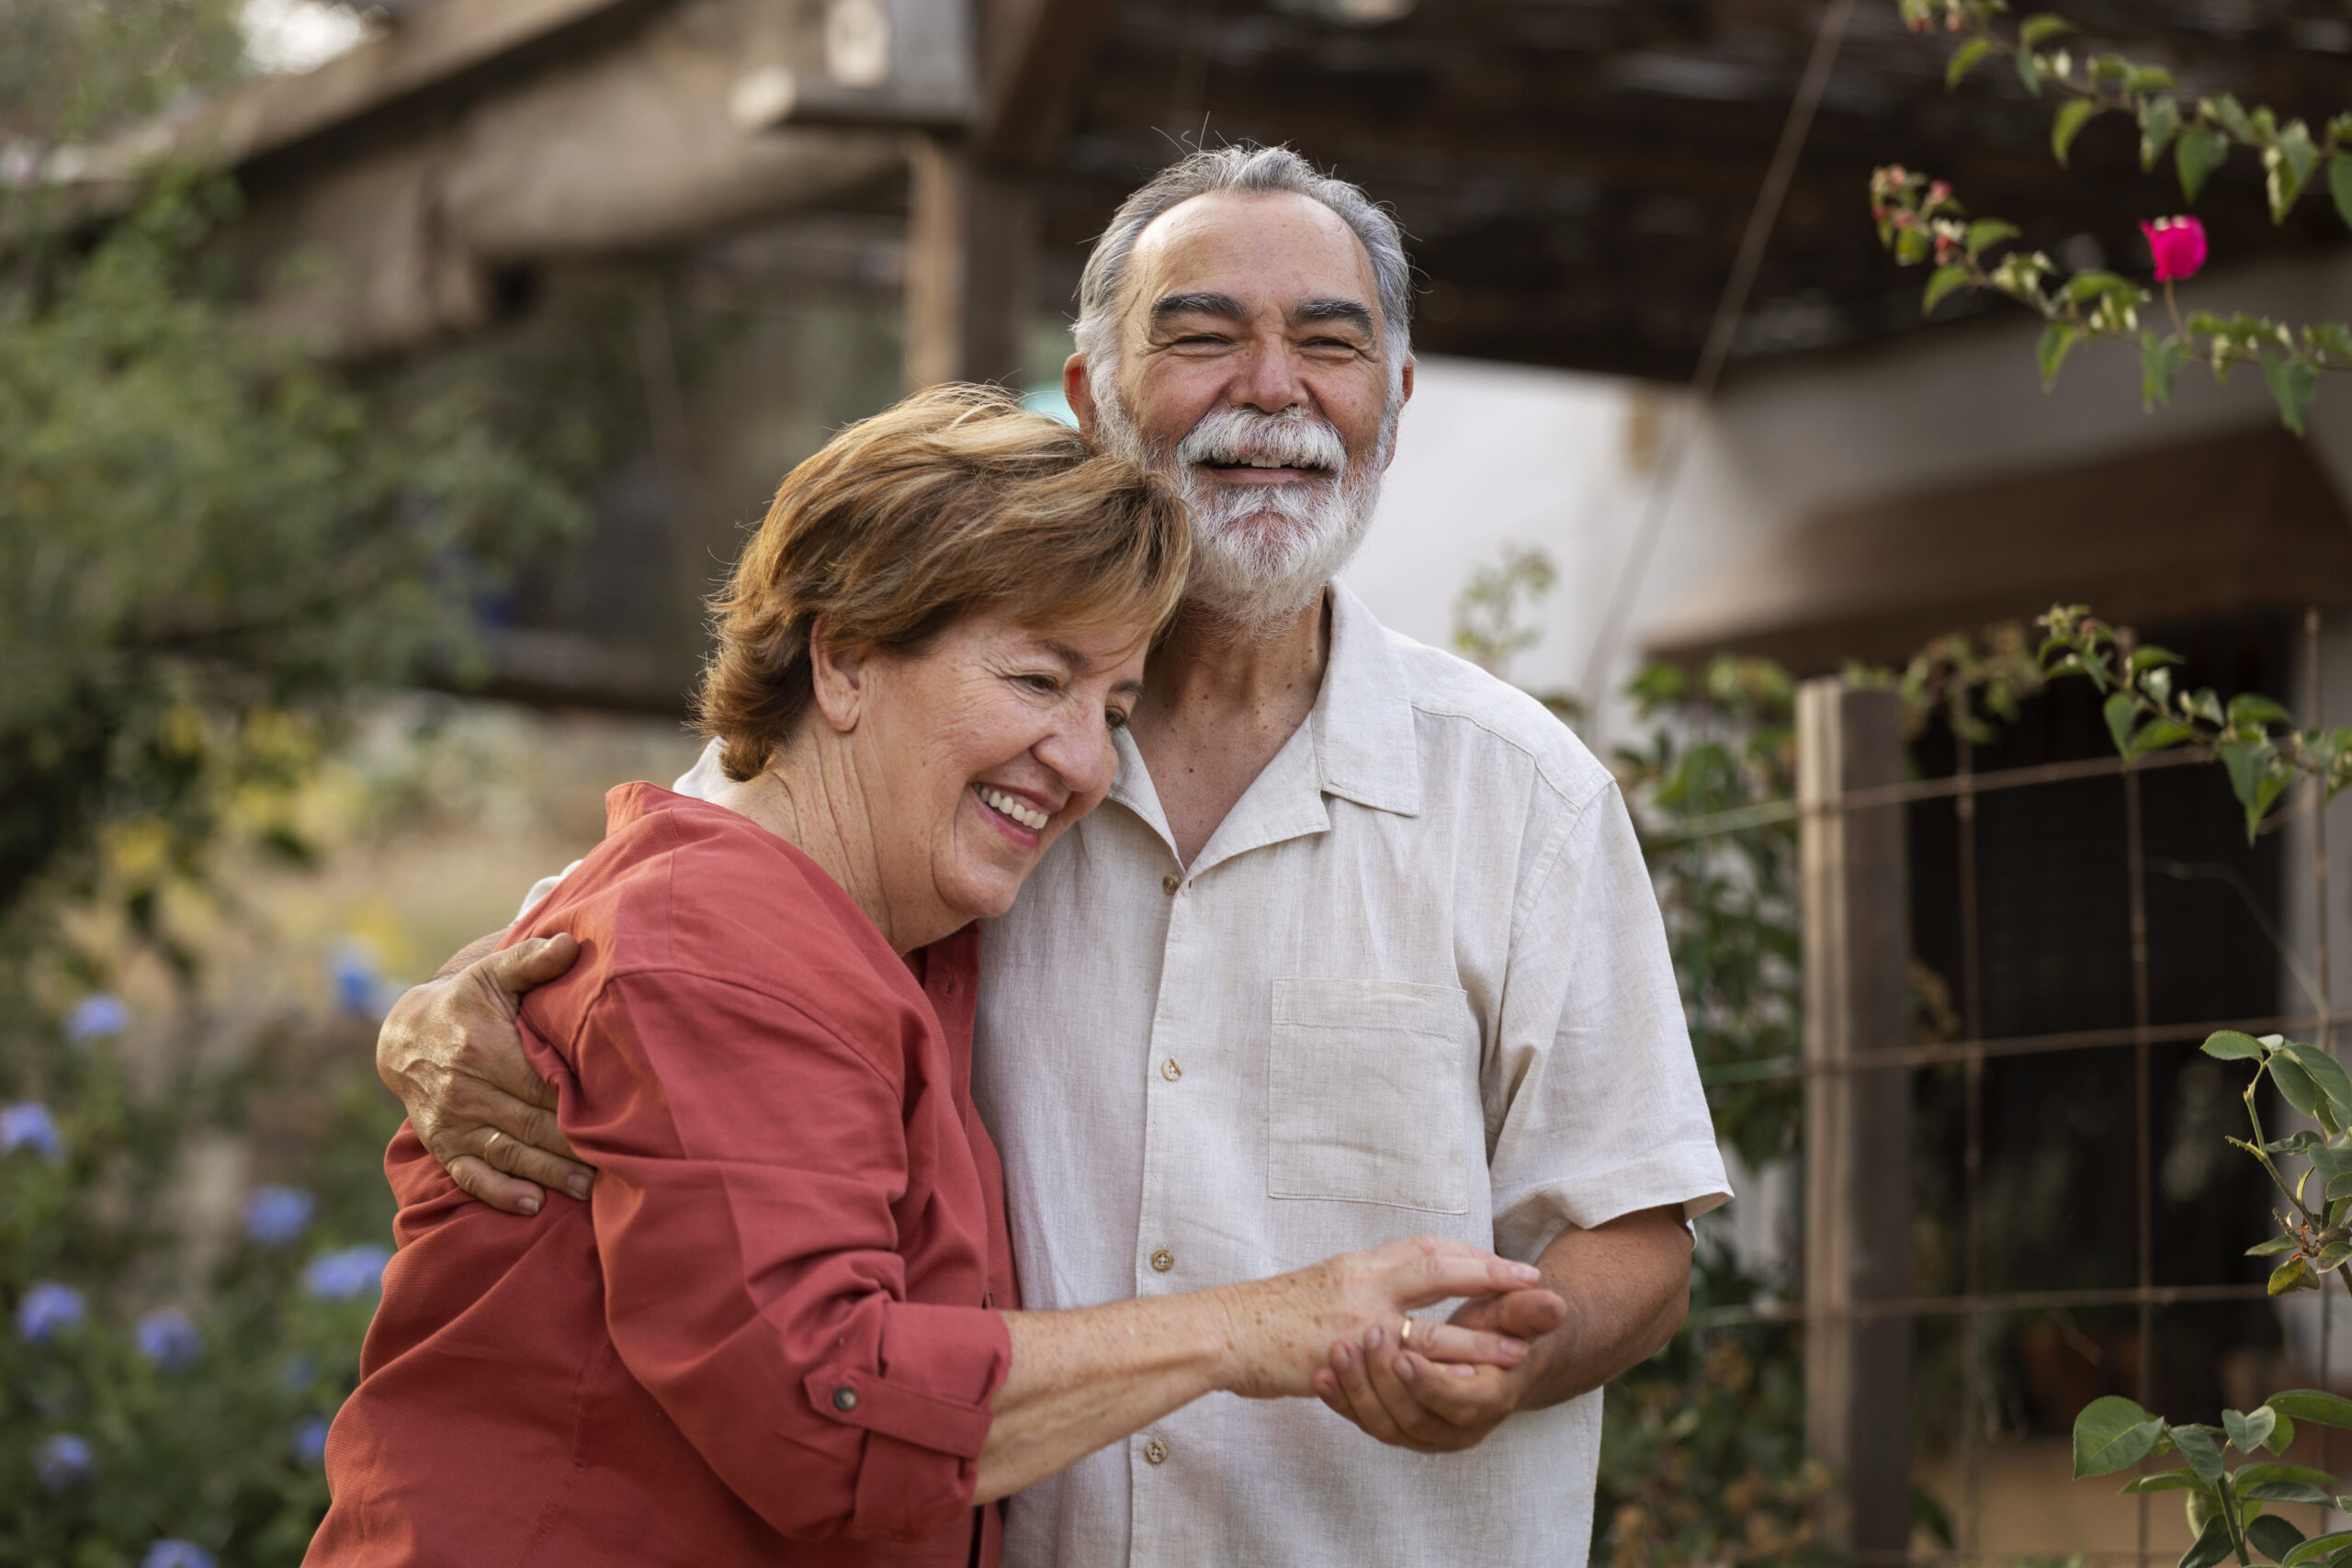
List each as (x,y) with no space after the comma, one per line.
(1403,396)
(1080,391)
(838,673)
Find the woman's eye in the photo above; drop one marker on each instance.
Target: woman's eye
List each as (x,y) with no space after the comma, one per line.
(1044,685)
(1115,718)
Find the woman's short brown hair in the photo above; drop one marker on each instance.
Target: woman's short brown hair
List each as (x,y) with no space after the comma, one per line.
(958,500)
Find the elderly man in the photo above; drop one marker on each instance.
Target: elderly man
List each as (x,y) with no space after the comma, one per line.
(1360,946)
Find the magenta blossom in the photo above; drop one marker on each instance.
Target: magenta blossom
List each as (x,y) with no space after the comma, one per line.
(2178,245)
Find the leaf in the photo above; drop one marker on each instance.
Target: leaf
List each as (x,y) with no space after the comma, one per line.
(2339,184)
(2229,1046)
(2317,1546)
(1946,279)
(2039,29)
(2311,1404)
(2289,161)
(2224,110)
(2271,1475)
(2198,1447)
(2291,1276)
(2296,1085)
(2247,1433)
(1912,246)
(2148,79)
(2159,123)
(2274,1537)
(2248,764)
(2163,1480)
(1965,58)
(2198,154)
(2283,1492)
(2122,712)
(2271,1249)
(2160,363)
(2213,1546)
(2029,72)
(2155,735)
(2112,1434)
(2282,1437)
(2252,707)
(1988,231)
(2072,115)
(2292,382)
(2056,343)
(2326,1072)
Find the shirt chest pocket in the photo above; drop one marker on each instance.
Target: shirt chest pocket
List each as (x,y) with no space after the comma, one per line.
(1364,1097)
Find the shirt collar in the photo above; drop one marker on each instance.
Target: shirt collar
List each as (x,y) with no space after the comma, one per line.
(1363,715)
(1357,743)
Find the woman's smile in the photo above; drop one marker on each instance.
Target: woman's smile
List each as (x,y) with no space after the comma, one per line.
(1016,816)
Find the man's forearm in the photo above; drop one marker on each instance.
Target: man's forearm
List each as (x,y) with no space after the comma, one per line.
(1628,1288)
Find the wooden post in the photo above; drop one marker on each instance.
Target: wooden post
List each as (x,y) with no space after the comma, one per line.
(971,266)
(1857,1124)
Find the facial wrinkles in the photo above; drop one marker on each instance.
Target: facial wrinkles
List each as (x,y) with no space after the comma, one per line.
(1263,552)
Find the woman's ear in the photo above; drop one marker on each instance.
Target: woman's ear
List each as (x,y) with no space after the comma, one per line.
(838,674)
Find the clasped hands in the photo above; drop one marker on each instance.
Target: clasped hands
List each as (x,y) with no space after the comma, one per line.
(450,1049)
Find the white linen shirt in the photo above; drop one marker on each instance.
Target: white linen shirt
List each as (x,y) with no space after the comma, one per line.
(1415,981)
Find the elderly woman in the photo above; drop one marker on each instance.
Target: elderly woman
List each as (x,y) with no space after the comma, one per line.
(782,1330)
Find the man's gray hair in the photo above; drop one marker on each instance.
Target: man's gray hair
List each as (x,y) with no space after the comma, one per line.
(1243,171)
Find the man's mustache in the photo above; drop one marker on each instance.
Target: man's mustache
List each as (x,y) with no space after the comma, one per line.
(1240,437)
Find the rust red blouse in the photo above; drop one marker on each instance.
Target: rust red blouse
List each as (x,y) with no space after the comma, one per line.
(765,1339)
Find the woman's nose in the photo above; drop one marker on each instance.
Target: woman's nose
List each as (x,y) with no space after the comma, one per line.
(1081,757)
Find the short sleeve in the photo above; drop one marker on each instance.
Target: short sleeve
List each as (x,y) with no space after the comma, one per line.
(1592,1099)
(750,1161)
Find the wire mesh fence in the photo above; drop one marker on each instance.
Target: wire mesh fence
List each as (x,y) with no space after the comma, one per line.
(1863,1315)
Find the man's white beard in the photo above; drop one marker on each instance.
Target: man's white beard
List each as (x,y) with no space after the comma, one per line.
(1262,553)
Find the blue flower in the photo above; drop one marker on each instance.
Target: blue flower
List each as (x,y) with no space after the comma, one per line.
(310,1442)
(298,1374)
(167,1337)
(170,1553)
(96,1017)
(47,1309)
(63,1460)
(339,1276)
(28,1125)
(358,984)
(277,1216)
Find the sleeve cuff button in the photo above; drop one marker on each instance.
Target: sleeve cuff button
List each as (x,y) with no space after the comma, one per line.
(845,1399)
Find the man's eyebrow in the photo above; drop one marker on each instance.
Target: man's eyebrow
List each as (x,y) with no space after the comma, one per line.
(1223,305)
(1346,310)
(1064,652)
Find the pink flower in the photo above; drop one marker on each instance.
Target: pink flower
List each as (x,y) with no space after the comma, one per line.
(2178,245)
(1939,193)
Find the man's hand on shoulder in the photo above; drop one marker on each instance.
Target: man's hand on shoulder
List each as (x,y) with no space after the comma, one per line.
(451,1050)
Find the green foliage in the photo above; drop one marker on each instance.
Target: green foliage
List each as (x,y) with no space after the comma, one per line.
(1724,741)
(1703,1455)
(1920,221)
(209,544)
(2146,713)
(2224,1506)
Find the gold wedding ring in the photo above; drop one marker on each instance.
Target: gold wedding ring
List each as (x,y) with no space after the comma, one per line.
(1405,1336)
(487,1144)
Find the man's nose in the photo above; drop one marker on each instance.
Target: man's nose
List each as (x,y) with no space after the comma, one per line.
(1269,381)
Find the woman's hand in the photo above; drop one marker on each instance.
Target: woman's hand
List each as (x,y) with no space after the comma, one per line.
(1280,1331)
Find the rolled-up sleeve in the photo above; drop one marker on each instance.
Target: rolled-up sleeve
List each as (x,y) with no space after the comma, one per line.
(1593,1102)
(751,1161)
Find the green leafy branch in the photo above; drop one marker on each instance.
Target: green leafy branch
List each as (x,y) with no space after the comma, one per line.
(2146,713)
(2225,1506)
(1920,220)
(2200,132)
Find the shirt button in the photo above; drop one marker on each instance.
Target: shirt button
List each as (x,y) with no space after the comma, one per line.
(1162,1260)
(845,1399)
(1169,1070)
(1155,1452)
(1170,883)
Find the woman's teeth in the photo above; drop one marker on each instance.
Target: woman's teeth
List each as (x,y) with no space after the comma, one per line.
(1012,806)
